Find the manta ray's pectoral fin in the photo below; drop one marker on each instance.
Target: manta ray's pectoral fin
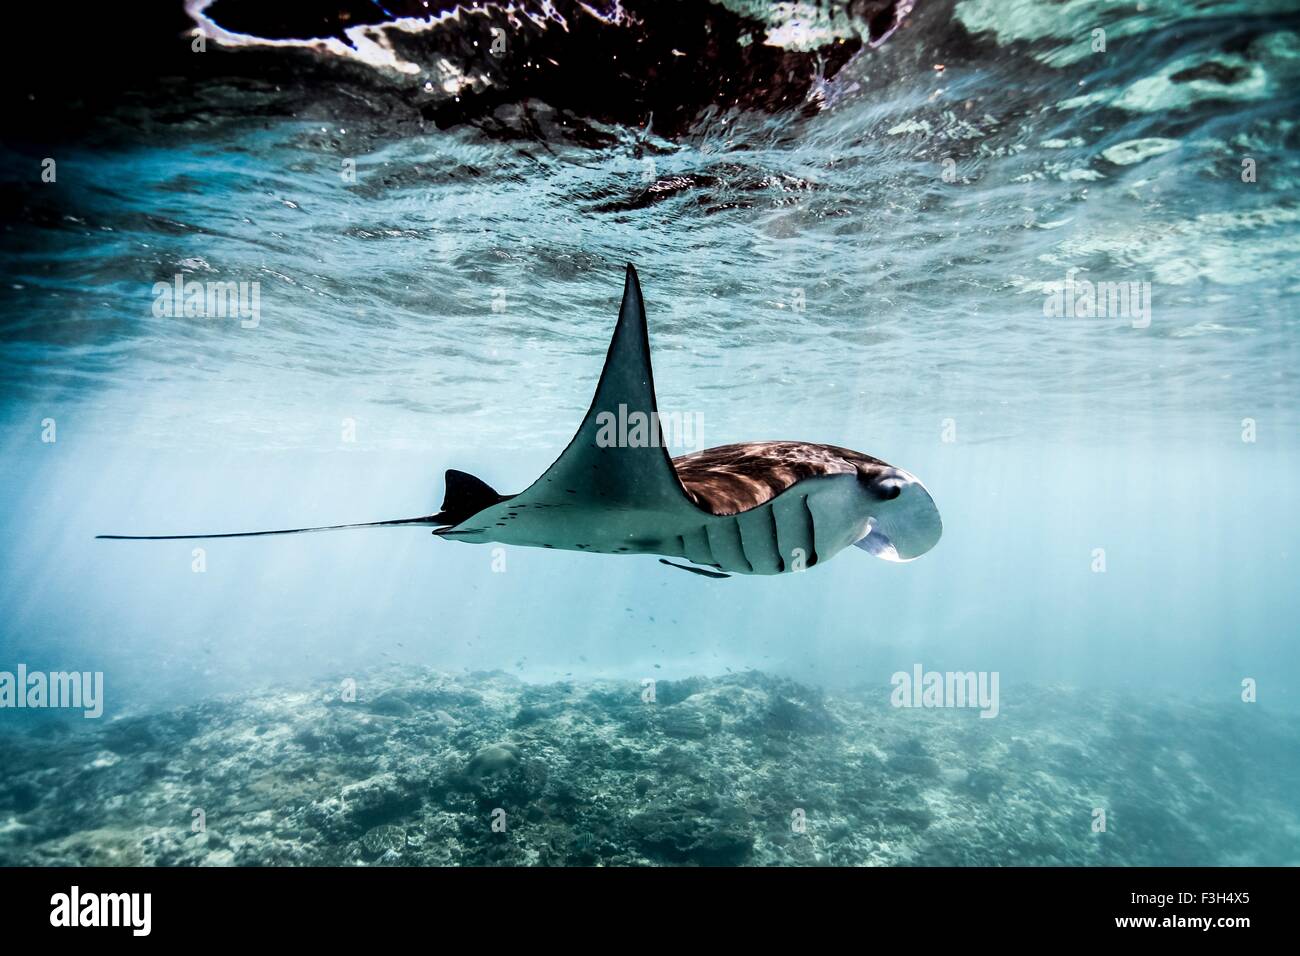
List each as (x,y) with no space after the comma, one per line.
(686,567)
(617,460)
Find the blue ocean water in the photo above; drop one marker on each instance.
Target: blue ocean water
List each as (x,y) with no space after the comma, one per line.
(1118,491)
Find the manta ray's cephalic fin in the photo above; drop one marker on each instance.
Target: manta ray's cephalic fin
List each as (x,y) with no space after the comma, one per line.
(686,567)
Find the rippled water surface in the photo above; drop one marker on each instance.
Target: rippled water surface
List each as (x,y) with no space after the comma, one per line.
(923,298)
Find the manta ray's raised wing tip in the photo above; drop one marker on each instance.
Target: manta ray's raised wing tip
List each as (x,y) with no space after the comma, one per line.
(631,283)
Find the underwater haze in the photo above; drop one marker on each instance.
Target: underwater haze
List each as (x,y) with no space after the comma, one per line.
(1043,256)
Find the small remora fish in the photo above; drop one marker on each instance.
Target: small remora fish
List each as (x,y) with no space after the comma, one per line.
(752,508)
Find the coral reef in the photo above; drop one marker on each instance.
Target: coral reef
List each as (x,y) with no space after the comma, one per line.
(425,768)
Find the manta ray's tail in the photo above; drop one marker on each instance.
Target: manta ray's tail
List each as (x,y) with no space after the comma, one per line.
(466,496)
(430,519)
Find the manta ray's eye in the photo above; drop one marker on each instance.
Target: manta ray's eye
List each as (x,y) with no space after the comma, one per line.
(887,489)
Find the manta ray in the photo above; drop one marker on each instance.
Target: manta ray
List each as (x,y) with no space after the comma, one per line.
(765,507)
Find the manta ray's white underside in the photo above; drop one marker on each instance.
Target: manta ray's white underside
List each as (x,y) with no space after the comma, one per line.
(805,524)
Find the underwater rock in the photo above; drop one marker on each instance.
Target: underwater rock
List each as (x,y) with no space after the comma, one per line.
(914,818)
(129,736)
(383,840)
(790,716)
(917,765)
(955,777)
(669,692)
(22,797)
(531,714)
(390,704)
(686,835)
(682,720)
(309,739)
(375,800)
(983,782)
(492,761)
(444,721)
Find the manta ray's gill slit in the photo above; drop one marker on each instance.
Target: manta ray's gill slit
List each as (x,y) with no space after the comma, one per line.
(708,545)
(696,546)
(724,539)
(776,539)
(780,537)
(812,530)
(744,551)
(713,545)
(758,540)
(758,536)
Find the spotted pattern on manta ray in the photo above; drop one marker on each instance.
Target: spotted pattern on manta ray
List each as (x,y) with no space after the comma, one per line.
(730,479)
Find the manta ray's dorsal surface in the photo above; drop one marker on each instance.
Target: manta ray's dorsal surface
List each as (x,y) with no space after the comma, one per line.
(752,508)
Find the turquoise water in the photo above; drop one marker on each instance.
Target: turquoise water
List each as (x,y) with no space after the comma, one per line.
(816,274)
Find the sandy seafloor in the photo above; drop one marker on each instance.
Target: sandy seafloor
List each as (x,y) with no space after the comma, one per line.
(717,771)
